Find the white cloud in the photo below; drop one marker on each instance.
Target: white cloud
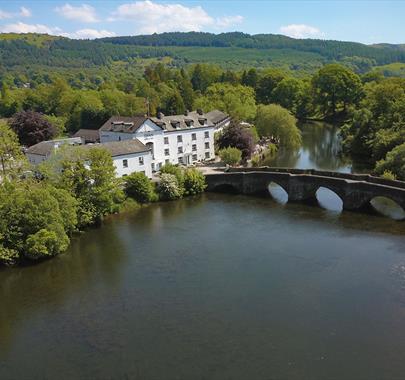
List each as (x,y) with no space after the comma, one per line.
(25,12)
(91,34)
(227,21)
(4,15)
(150,17)
(83,13)
(20,27)
(301,31)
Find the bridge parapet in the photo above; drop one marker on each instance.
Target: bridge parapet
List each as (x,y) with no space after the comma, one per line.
(355,190)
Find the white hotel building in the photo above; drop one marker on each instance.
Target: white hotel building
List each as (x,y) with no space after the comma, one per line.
(145,144)
(177,139)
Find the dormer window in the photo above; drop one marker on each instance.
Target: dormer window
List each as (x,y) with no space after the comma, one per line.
(189,122)
(202,121)
(175,124)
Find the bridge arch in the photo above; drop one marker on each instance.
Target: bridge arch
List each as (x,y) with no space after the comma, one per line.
(278,192)
(329,199)
(387,206)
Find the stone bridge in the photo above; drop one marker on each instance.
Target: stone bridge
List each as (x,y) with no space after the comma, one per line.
(355,190)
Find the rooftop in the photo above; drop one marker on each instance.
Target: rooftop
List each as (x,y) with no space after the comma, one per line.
(89,135)
(45,148)
(121,148)
(188,120)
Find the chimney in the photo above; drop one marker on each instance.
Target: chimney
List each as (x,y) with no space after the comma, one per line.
(160,115)
(200,111)
(186,113)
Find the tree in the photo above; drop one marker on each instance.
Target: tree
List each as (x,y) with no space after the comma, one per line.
(11,157)
(88,173)
(230,156)
(267,83)
(335,88)
(32,225)
(194,182)
(139,187)
(394,162)
(294,95)
(250,78)
(238,101)
(32,127)
(276,122)
(237,136)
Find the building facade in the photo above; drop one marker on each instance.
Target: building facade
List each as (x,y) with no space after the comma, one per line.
(145,144)
(177,139)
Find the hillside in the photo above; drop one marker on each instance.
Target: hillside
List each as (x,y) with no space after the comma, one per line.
(29,53)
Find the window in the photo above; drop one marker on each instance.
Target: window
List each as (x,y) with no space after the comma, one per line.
(180,160)
(140,160)
(179,138)
(180,150)
(206,135)
(194,157)
(166,140)
(207,154)
(124,175)
(194,136)
(194,148)
(207,145)
(125,163)
(167,161)
(167,152)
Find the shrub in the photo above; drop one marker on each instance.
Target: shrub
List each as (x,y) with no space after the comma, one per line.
(168,187)
(230,156)
(388,174)
(175,170)
(139,187)
(45,243)
(393,162)
(238,136)
(194,182)
(8,256)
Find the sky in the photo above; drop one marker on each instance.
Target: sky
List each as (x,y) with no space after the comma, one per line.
(363,21)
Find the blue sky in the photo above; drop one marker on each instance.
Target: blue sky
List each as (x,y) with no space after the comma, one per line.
(363,21)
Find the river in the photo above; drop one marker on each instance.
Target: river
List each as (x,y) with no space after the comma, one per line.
(216,287)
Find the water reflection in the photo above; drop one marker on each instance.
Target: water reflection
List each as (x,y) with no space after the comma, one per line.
(320,149)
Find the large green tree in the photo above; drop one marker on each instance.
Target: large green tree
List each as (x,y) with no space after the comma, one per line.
(335,88)
(278,123)
(238,101)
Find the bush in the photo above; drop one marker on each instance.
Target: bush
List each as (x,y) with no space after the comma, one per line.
(8,256)
(177,171)
(389,175)
(45,243)
(238,136)
(393,162)
(230,156)
(194,182)
(168,187)
(139,187)
(33,224)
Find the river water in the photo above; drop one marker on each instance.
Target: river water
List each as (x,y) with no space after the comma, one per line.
(215,287)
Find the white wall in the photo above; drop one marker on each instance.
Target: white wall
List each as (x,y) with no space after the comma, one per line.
(150,133)
(134,164)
